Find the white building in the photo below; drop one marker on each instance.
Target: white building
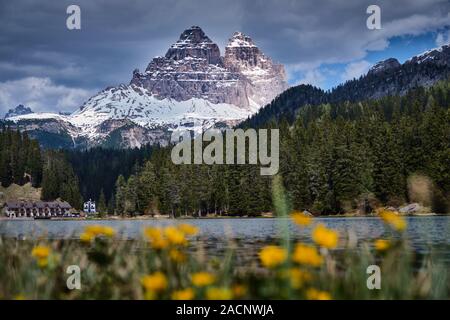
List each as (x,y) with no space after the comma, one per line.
(89,207)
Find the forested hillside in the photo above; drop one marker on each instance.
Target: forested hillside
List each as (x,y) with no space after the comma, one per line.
(416,72)
(334,158)
(97,169)
(22,161)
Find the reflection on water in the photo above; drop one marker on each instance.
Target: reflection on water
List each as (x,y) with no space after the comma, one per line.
(425,234)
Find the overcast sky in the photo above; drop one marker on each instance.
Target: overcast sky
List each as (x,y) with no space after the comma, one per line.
(47,67)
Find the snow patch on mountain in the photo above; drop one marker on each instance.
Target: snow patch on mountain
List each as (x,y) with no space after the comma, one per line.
(191,87)
(240,40)
(138,105)
(431,55)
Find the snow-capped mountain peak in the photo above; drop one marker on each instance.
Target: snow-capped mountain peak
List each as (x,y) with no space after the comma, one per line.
(193,42)
(240,40)
(191,86)
(439,55)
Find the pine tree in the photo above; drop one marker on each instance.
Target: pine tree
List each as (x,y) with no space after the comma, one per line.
(120,195)
(111,204)
(147,197)
(131,196)
(102,208)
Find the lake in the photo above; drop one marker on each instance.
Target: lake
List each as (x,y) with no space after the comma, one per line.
(425,234)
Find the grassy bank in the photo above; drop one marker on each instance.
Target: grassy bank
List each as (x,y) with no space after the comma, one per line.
(171,263)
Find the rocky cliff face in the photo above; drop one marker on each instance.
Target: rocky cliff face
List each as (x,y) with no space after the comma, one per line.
(192,77)
(194,42)
(266,79)
(193,68)
(384,66)
(438,56)
(192,87)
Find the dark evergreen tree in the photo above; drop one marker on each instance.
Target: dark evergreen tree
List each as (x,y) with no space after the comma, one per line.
(101,205)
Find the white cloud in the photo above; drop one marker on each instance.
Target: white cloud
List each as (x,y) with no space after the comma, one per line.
(442,38)
(67,70)
(41,94)
(314,77)
(306,34)
(355,70)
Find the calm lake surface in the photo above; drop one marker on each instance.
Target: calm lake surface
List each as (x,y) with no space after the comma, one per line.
(425,234)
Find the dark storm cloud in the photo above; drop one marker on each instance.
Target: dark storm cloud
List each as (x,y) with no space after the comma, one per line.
(116,36)
(37,50)
(311,32)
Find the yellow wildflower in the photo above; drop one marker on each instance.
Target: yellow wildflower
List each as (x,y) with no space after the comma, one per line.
(218,294)
(156,238)
(325,237)
(92,231)
(86,237)
(314,294)
(394,220)
(301,219)
(175,236)
(184,294)
(152,233)
(298,277)
(382,245)
(20,297)
(108,231)
(177,256)
(202,279)
(159,243)
(272,256)
(42,263)
(239,290)
(307,255)
(154,282)
(188,229)
(41,252)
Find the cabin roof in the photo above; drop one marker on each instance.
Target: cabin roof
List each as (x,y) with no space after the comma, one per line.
(37,204)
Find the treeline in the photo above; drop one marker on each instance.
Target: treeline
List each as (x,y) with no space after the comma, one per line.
(20,158)
(360,155)
(59,179)
(162,187)
(97,169)
(334,158)
(70,175)
(23,161)
(389,82)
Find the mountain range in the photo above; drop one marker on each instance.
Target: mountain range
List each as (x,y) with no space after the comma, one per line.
(385,78)
(194,87)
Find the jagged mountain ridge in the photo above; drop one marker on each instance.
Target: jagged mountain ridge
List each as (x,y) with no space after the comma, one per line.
(192,86)
(264,77)
(20,110)
(385,78)
(111,118)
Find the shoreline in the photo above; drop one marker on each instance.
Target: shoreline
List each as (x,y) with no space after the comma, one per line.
(145,218)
